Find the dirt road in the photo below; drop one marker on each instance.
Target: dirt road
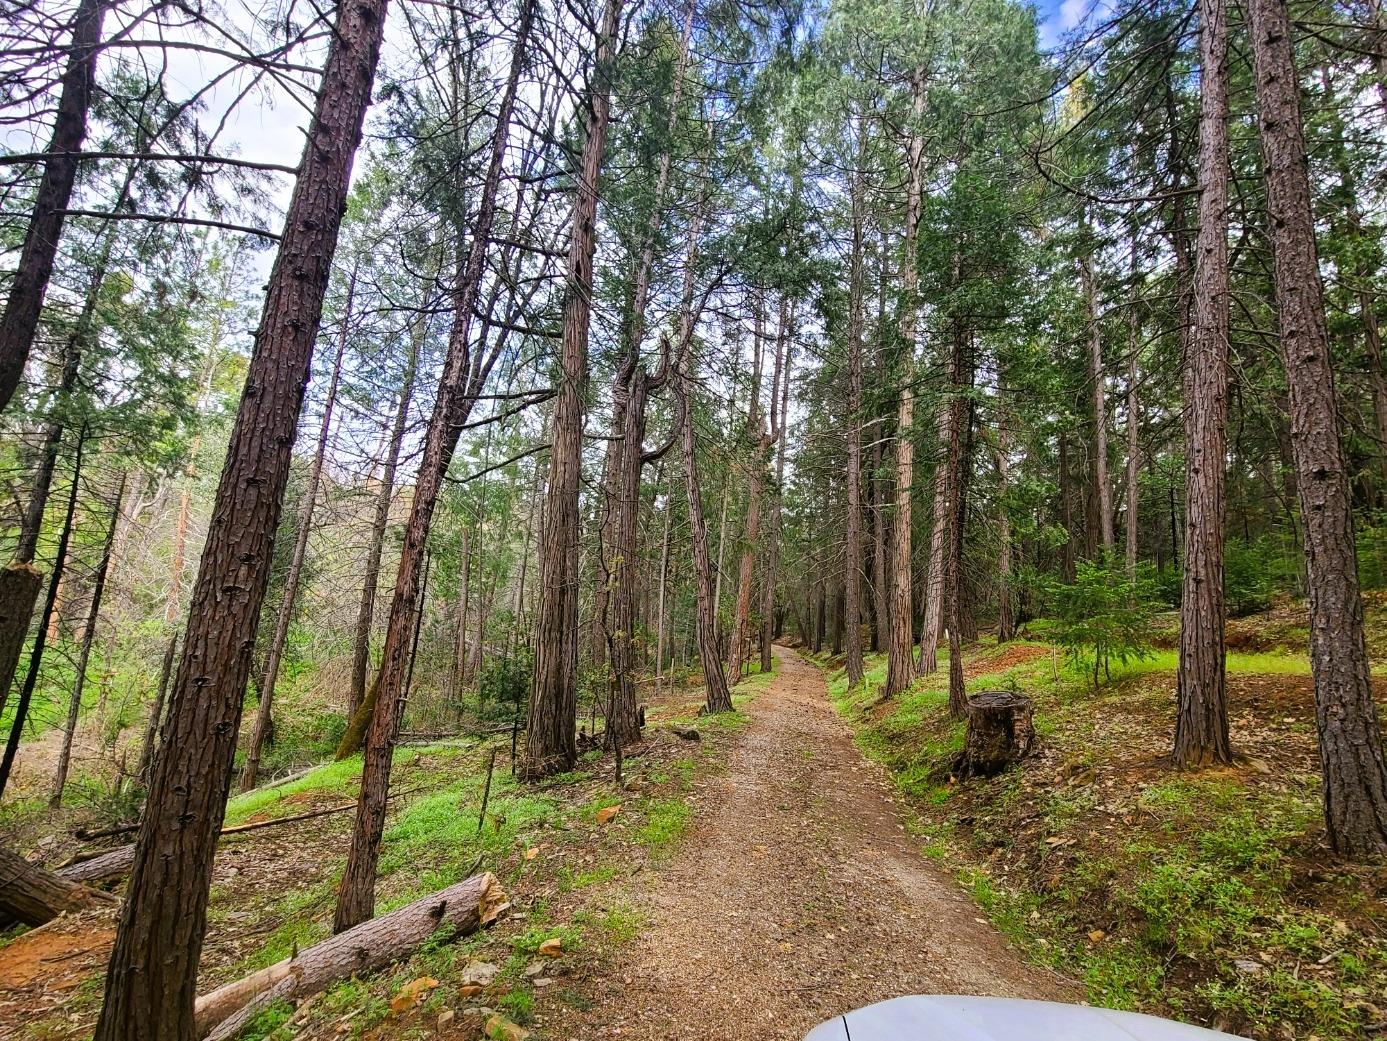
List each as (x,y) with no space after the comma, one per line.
(797,896)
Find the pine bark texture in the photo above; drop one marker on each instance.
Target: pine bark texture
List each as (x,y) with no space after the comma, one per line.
(550,740)
(900,662)
(1201,722)
(31,895)
(30,282)
(1355,776)
(152,975)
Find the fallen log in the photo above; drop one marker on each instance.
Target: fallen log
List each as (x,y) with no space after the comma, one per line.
(32,895)
(118,861)
(463,908)
(87,834)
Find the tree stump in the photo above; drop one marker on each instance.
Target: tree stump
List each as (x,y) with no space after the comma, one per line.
(1000,732)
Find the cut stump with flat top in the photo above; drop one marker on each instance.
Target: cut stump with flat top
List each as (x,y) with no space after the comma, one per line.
(1000,732)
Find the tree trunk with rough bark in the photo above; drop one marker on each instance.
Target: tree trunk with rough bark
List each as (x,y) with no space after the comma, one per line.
(30,281)
(1355,776)
(152,975)
(900,662)
(550,739)
(1201,722)
(34,896)
(461,381)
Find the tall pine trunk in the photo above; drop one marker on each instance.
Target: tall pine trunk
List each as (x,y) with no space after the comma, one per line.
(550,738)
(370,582)
(462,380)
(900,664)
(1355,776)
(852,566)
(1201,722)
(151,979)
(30,281)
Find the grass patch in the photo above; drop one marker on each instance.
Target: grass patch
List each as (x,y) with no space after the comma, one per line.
(1201,896)
(665,820)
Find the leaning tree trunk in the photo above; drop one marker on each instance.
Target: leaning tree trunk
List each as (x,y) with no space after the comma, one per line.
(1355,776)
(550,740)
(31,675)
(900,663)
(1201,722)
(152,975)
(79,681)
(40,249)
(457,393)
(361,651)
(150,745)
(34,896)
(250,773)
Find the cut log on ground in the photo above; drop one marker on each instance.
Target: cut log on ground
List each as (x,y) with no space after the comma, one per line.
(471,904)
(31,895)
(118,861)
(1000,732)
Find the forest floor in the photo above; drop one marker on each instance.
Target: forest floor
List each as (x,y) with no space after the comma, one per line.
(1209,896)
(809,854)
(798,895)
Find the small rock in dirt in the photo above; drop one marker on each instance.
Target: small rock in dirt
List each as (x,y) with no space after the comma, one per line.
(534,968)
(552,947)
(687,733)
(1249,965)
(445,1018)
(479,973)
(498,1028)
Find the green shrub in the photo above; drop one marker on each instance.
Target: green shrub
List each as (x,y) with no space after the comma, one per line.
(1105,613)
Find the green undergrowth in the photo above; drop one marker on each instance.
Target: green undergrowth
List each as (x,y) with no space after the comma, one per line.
(561,860)
(1205,896)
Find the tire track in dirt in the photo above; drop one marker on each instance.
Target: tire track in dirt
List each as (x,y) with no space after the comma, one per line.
(797,896)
